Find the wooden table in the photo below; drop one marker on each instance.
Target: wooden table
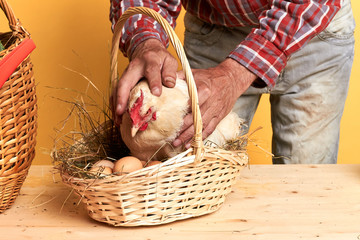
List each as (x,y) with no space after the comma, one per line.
(268,202)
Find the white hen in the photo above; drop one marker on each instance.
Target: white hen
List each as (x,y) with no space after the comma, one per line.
(152,123)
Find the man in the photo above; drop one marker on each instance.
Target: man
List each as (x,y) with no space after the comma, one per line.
(299,51)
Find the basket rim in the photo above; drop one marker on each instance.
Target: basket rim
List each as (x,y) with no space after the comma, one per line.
(180,160)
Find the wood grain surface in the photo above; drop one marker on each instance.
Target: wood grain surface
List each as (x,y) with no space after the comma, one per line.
(268,202)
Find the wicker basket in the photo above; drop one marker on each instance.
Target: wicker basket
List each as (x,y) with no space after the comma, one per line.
(18,116)
(191,184)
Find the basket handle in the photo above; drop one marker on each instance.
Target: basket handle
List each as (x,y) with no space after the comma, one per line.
(14,23)
(197,139)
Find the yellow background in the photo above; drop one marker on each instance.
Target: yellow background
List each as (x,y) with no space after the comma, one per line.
(73,39)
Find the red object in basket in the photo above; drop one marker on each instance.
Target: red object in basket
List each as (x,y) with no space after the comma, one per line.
(12,60)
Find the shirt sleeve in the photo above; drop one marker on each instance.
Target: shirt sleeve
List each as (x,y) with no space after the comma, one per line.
(283,29)
(141,27)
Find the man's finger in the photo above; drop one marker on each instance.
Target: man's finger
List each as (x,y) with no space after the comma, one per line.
(126,82)
(209,129)
(211,116)
(186,132)
(168,74)
(153,76)
(184,137)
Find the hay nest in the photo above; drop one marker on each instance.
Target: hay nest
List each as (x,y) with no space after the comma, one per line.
(90,140)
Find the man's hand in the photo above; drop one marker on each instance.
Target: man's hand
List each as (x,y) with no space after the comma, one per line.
(151,60)
(218,89)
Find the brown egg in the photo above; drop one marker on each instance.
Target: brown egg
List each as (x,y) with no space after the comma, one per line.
(104,163)
(101,171)
(152,163)
(126,165)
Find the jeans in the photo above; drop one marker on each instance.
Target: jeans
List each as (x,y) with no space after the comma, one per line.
(308,99)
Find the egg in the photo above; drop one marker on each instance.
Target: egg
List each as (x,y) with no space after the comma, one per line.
(126,165)
(101,171)
(104,163)
(152,163)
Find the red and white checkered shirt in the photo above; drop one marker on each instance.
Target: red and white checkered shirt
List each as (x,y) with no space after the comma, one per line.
(281,27)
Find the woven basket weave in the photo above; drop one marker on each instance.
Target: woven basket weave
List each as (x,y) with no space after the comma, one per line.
(18,116)
(191,184)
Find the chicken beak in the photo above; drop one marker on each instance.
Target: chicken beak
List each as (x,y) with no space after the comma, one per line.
(134,130)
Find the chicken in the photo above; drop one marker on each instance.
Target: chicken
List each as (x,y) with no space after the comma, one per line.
(151,123)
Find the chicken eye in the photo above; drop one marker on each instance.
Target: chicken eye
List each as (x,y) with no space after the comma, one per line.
(148,112)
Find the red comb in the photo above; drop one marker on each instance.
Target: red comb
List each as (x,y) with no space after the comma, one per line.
(135,110)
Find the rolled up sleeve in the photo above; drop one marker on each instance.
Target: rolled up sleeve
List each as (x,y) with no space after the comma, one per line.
(141,27)
(283,29)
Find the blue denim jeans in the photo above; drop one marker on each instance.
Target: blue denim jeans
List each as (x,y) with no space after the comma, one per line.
(308,99)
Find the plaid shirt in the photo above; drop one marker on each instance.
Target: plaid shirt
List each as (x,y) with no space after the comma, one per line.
(280,27)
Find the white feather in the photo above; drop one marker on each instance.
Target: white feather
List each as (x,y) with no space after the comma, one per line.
(171,108)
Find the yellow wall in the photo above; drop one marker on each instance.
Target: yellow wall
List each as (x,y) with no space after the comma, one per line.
(76,35)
